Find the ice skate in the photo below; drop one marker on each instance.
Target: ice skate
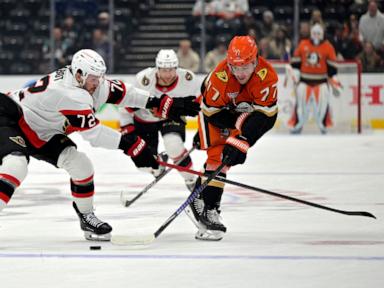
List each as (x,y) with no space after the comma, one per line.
(194,211)
(94,229)
(214,228)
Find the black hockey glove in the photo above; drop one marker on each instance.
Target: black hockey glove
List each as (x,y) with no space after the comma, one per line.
(173,108)
(235,150)
(138,150)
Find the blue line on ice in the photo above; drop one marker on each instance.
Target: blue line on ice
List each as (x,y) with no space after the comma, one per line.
(183,257)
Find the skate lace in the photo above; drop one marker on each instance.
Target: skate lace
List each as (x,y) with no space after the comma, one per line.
(92,220)
(214,216)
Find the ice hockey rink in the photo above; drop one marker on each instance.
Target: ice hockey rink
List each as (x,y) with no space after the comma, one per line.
(270,242)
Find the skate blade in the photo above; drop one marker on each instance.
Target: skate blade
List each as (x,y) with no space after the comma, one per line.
(209,235)
(94,237)
(124,240)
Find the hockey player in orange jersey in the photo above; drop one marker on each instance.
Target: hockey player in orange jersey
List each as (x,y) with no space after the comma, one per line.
(239,106)
(315,58)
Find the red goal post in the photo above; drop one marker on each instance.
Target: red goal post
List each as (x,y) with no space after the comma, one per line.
(345,109)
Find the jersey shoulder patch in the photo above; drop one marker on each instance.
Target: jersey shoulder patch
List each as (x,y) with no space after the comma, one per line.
(222,75)
(145,81)
(262,73)
(188,76)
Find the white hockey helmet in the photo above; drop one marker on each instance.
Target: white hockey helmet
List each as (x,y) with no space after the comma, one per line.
(167,58)
(88,62)
(317,34)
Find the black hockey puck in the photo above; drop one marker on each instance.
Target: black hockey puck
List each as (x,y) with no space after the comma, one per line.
(95,247)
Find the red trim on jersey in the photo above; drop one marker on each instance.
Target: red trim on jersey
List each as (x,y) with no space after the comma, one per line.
(11,179)
(4,197)
(165,89)
(83,181)
(130,110)
(144,121)
(76,112)
(30,134)
(83,195)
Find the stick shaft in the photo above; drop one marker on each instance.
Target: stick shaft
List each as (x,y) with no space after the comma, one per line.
(224,180)
(127,203)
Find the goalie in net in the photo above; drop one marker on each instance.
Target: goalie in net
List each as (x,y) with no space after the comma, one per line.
(314,65)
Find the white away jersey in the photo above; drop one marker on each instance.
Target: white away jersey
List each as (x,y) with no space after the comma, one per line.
(185,85)
(56,105)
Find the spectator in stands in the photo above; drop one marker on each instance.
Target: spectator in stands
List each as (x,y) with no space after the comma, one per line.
(253,33)
(188,59)
(264,49)
(210,16)
(230,15)
(69,32)
(230,9)
(280,46)
(61,48)
(103,22)
(215,56)
(249,22)
(371,26)
(344,44)
(267,28)
(209,8)
(369,59)
(100,43)
(304,30)
(316,18)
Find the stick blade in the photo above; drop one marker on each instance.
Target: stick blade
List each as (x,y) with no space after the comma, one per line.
(126,240)
(124,199)
(367,214)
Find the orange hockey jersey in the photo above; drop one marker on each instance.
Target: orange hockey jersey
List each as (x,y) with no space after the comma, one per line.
(258,94)
(316,63)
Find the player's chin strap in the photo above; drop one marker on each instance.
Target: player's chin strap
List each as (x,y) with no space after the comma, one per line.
(224,180)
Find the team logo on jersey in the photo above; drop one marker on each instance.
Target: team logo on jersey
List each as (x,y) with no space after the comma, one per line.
(188,76)
(313,58)
(222,75)
(262,73)
(66,125)
(145,81)
(19,141)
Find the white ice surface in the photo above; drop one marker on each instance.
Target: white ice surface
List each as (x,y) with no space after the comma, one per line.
(270,242)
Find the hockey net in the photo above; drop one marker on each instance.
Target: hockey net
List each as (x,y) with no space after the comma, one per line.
(345,109)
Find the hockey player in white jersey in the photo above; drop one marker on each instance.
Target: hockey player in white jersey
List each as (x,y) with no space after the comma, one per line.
(165,78)
(35,122)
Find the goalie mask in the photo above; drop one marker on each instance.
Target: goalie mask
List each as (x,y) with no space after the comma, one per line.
(317,34)
(167,58)
(88,62)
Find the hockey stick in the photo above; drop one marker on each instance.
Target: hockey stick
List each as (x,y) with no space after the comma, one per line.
(224,180)
(126,202)
(126,240)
